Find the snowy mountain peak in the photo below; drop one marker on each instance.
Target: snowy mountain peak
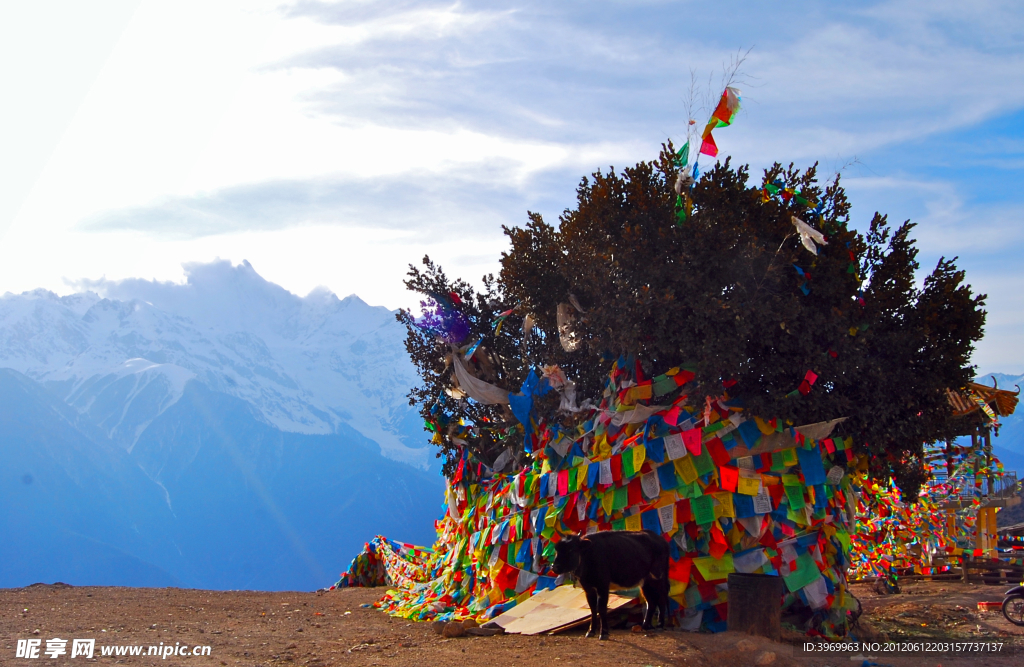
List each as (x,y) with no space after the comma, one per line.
(123,352)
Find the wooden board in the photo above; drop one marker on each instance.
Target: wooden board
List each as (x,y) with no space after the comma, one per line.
(552,610)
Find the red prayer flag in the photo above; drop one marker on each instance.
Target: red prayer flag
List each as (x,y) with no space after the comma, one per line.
(718,545)
(672,416)
(634,492)
(617,466)
(683,513)
(691,439)
(507,577)
(682,377)
(679,570)
(718,451)
(730,478)
(722,112)
(709,147)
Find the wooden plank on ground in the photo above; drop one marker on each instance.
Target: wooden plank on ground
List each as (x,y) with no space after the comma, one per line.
(552,610)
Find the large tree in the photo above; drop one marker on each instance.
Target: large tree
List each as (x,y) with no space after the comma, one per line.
(764,291)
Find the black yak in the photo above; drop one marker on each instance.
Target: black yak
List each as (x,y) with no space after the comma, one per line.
(623,558)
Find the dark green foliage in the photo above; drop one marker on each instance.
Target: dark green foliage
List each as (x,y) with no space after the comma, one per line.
(499,361)
(722,293)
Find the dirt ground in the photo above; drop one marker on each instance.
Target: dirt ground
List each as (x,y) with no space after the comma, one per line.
(281,629)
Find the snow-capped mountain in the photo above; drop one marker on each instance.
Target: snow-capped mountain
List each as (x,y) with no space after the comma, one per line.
(222,433)
(306,364)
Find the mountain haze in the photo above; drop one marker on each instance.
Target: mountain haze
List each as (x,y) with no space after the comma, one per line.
(222,433)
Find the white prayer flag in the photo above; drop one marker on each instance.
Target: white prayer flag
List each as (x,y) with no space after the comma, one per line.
(650,485)
(762,502)
(667,516)
(674,446)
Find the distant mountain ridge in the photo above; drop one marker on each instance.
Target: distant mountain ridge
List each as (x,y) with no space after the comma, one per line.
(223,433)
(307,364)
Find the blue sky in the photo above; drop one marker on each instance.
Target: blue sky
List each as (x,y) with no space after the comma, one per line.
(334,143)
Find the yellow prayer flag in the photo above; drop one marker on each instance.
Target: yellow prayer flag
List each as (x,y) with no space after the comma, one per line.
(639,454)
(666,498)
(581,476)
(686,469)
(724,507)
(748,486)
(607,500)
(763,426)
(799,517)
(715,569)
(633,522)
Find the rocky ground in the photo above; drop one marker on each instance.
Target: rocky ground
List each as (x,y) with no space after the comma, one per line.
(278,629)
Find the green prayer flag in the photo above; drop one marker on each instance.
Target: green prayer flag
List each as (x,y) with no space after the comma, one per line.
(711,428)
(683,156)
(692,597)
(795,495)
(621,498)
(704,462)
(805,571)
(663,384)
(844,540)
(703,509)
(627,465)
(796,516)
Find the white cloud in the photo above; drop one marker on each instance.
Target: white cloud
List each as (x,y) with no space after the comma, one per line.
(335,142)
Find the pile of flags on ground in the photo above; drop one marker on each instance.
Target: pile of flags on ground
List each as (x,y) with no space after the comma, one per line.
(894,537)
(646,458)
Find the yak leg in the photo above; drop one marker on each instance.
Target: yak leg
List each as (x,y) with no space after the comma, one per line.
(651,595)
(602,604)
(595,625)
(663,602)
